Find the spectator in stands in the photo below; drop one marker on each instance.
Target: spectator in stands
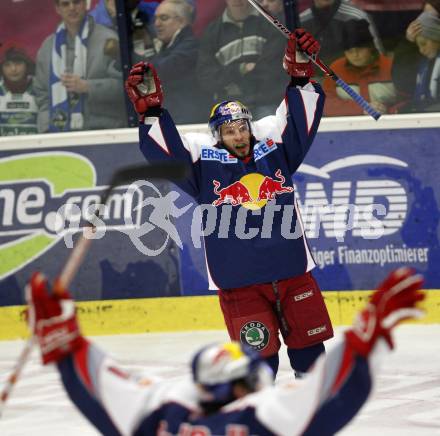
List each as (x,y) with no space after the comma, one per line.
(391,17)
(105,13)
(142,26)
(206,12)
(143,29)
(77,86)
(275,7)
(324,20)
(18,110)
(431,7)
(427,92)
(407,57)
(302,5)
(364,68)
(237,50)
(175,60)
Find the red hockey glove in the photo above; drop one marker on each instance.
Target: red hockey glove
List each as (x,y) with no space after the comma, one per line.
(394,301)
(52,319)
(144,88)
(294,62)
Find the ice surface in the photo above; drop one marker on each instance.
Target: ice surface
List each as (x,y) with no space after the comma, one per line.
(406,401)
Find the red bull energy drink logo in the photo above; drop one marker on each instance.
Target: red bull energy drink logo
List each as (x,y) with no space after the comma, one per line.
(231,108)
(252,191)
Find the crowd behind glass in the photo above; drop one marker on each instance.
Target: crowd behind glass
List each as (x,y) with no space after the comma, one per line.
(64,72)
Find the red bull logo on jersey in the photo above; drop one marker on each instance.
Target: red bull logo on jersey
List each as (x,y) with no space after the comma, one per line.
(252,191)
(235,194)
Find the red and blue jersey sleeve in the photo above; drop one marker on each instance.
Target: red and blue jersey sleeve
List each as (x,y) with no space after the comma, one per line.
(108,396)
(295,123)
(325,400)
(116,403)
(79,376)
(160,141)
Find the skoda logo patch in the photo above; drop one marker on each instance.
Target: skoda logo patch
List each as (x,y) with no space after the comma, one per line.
(255,334)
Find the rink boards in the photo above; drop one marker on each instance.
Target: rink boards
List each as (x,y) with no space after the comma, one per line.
(382,170)
(150,315)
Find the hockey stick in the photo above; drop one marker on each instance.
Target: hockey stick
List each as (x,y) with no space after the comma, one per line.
(327,71)
(166,171)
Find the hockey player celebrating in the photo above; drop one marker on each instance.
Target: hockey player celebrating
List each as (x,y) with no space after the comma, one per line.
(260,261)
(230,391)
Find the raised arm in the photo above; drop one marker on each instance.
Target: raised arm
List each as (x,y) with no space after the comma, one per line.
(114,401)
(298,116)
(158,136)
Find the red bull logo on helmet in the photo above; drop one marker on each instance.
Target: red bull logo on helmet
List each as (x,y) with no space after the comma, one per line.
(231,108)
(252,191)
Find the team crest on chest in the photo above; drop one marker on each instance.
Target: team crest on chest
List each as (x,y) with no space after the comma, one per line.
(255,334)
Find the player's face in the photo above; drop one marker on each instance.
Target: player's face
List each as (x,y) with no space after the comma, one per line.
(236,137)
(428,47)
(14,71)
(166,22)
(71,12)
(359,56)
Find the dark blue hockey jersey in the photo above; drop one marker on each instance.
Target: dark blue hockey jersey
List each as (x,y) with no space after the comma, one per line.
(119,403)
(252,225)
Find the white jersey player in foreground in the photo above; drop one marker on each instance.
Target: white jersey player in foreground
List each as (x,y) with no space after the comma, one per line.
(230,391)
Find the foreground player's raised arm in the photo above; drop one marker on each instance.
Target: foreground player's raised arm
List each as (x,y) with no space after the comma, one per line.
(303,406)
(114,400)
(108,397)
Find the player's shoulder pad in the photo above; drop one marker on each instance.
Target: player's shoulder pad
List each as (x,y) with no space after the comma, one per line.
(195,141)
(264,127)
